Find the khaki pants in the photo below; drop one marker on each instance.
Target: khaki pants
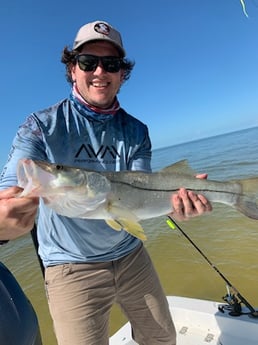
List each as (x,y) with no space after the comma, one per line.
(80,297)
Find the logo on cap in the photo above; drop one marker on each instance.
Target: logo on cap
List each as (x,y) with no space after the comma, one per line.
(102,28)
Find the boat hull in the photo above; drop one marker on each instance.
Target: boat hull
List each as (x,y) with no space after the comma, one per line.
(18,320)
(202,322)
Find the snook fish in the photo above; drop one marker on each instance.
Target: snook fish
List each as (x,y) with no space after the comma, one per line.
(124,198)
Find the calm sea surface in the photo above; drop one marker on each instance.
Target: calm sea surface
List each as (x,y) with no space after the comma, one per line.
(227,238)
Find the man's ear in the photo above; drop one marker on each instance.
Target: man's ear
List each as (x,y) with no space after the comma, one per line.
(122,75)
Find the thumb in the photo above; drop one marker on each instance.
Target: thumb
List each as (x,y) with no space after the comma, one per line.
(10,192)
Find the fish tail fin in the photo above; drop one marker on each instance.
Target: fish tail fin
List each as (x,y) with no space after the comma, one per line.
(247,201)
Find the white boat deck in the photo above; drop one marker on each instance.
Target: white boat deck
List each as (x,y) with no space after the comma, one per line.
(200,322)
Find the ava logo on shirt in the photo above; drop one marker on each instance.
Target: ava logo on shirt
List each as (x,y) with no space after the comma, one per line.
(87,153)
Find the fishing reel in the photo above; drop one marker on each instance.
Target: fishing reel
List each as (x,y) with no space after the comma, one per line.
(234,301)
(233,304)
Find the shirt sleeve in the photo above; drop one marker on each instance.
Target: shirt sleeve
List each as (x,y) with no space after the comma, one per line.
(27,143)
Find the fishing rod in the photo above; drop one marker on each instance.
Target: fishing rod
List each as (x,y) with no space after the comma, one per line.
(231,300)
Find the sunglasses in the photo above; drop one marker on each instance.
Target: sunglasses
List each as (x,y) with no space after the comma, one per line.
(89,63)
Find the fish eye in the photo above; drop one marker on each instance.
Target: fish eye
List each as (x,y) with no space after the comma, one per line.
(59,167)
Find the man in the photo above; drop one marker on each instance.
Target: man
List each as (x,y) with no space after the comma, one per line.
(88,265)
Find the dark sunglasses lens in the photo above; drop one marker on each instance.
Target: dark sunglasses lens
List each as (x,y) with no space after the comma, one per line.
(87,62)
(111,64)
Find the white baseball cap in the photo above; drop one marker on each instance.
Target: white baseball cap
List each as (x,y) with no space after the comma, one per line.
(99,30)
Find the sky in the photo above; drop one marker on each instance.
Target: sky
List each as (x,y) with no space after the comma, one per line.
(196,62)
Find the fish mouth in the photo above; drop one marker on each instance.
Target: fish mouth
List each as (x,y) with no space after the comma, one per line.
(30,174)
(25,168)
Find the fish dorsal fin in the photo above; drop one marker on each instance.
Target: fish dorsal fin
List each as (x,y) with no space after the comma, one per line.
(180,167)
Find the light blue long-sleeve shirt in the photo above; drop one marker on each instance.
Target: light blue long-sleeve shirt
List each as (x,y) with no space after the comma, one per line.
(70,134)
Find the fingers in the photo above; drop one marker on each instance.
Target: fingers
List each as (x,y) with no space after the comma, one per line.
(178,207)
(188,204)
(20,205)
(10,201)
(202,176)
(17,214)
(17,217)
(10,192)
(199,205)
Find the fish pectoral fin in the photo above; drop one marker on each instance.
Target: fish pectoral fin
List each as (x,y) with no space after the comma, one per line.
(131,226)
(134,228)
(124,218)
(114,224)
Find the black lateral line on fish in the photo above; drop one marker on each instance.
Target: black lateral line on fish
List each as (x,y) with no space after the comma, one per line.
(176,189)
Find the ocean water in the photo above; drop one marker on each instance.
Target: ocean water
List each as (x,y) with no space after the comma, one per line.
(226,237)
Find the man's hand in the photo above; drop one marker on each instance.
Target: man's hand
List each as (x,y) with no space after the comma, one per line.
(188,204)
(17,215)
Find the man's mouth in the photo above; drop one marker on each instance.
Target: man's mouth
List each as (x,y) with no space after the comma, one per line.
(100,84)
